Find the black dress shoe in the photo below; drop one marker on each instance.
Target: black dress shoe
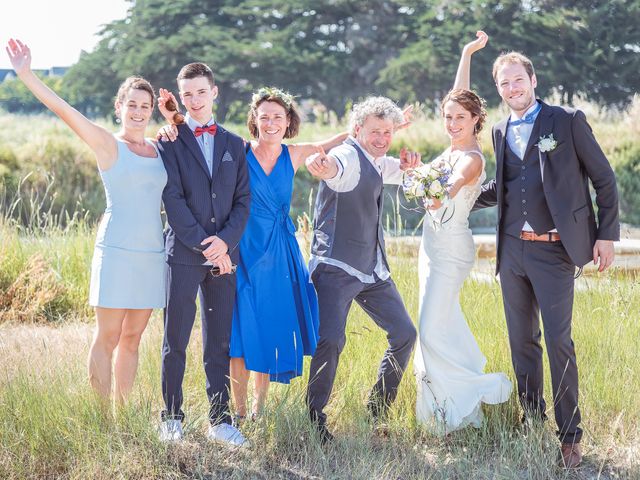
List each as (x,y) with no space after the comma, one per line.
(325,435)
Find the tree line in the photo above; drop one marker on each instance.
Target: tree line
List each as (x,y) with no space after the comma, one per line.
(336,51)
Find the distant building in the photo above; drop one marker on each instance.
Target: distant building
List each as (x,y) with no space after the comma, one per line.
(57,71)
(8,73)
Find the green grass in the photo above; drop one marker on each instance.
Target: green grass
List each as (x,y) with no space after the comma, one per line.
(49,156)
(44,277)
(53,427)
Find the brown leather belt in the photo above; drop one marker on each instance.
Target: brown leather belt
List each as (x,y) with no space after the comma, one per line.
(545,237)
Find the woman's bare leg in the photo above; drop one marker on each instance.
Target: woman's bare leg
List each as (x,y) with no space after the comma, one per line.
(261,390)
(239,382)
(107,334)
(126,362)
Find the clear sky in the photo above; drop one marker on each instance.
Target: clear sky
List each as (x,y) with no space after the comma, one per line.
(56,30)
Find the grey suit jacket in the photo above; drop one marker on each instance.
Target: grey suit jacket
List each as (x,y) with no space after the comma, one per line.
(566,170)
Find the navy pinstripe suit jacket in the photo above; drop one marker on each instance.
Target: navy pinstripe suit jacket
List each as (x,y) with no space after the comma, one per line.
(199,204)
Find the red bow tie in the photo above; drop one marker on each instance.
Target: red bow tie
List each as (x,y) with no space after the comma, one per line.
(210,129)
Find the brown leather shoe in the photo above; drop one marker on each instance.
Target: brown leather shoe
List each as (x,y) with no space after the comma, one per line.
(571,455)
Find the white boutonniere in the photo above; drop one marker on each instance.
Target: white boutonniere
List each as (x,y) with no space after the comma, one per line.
(546,143)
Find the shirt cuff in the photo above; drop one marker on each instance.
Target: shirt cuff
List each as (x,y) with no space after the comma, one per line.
(333,182)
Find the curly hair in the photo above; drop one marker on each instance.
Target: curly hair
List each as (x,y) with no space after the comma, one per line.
(471,102)
(282,98)
(135,83)
(380,107)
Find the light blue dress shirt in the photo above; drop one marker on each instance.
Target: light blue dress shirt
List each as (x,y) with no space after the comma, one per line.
(518,135)
(205,141)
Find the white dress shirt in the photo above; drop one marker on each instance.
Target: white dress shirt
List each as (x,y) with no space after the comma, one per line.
(346,180)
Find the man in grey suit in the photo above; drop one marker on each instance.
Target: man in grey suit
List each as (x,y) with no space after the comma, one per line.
(348,259)
(545,157)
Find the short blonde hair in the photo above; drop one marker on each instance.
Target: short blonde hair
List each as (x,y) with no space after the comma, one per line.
(513,58)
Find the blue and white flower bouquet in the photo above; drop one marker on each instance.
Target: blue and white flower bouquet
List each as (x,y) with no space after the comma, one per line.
(429,183)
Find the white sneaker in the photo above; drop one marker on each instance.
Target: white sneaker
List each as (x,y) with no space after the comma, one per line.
(170,431)
(225,433)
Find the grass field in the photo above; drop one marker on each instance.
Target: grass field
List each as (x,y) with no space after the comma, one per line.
(52,426)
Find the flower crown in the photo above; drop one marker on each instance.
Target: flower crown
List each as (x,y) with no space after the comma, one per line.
(272,92)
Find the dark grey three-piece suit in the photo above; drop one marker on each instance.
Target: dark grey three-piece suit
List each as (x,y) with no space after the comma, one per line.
(348,229)
(548,190)
(199,204)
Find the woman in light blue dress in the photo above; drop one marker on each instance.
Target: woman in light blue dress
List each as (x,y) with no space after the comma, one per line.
(128,267)
(275,320)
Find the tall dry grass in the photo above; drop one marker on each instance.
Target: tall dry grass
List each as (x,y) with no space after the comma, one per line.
(53,427)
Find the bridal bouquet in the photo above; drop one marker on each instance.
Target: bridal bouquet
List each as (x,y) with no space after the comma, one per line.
(428,182)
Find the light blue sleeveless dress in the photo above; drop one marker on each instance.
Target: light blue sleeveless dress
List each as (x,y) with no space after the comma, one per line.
(275,321)
(128,269)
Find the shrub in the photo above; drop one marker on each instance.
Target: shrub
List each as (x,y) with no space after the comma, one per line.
(626,163)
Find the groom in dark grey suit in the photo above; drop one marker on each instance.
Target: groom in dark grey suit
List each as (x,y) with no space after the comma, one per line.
(545,157)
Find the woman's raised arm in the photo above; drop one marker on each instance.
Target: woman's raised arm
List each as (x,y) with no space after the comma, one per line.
(100,140)
(463,75)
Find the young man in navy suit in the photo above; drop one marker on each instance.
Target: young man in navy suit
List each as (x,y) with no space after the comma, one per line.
(207,204)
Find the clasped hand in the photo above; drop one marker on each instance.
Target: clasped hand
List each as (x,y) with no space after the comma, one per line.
(217,253)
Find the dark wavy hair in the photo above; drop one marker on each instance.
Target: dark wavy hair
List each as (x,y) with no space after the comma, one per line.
(285,100)
(471,102)
(135,83)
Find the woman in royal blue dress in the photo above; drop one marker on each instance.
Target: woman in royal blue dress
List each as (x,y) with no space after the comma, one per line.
(276,316)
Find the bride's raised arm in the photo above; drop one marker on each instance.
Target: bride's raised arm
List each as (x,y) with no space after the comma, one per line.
(463,75)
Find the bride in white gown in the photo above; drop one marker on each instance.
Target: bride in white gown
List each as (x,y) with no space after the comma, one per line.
(448,362)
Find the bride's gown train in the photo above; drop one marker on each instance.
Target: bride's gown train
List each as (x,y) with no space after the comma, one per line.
(448,363)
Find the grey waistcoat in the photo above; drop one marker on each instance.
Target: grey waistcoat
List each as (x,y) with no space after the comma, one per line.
(347,226)
(524,195)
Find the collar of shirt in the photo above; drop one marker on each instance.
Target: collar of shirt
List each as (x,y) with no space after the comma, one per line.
(193,124)
(514,117)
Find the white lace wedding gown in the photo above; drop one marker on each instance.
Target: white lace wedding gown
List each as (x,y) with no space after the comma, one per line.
(448,363)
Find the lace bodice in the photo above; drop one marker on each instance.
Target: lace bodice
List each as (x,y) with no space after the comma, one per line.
(455,211)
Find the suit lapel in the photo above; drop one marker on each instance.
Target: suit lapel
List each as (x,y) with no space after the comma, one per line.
(500,142)
(219,147)
(188,138)
(546,129)
(535,136)
(539,127)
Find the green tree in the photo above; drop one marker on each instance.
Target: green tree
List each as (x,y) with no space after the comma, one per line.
(15,97)
(336,51)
